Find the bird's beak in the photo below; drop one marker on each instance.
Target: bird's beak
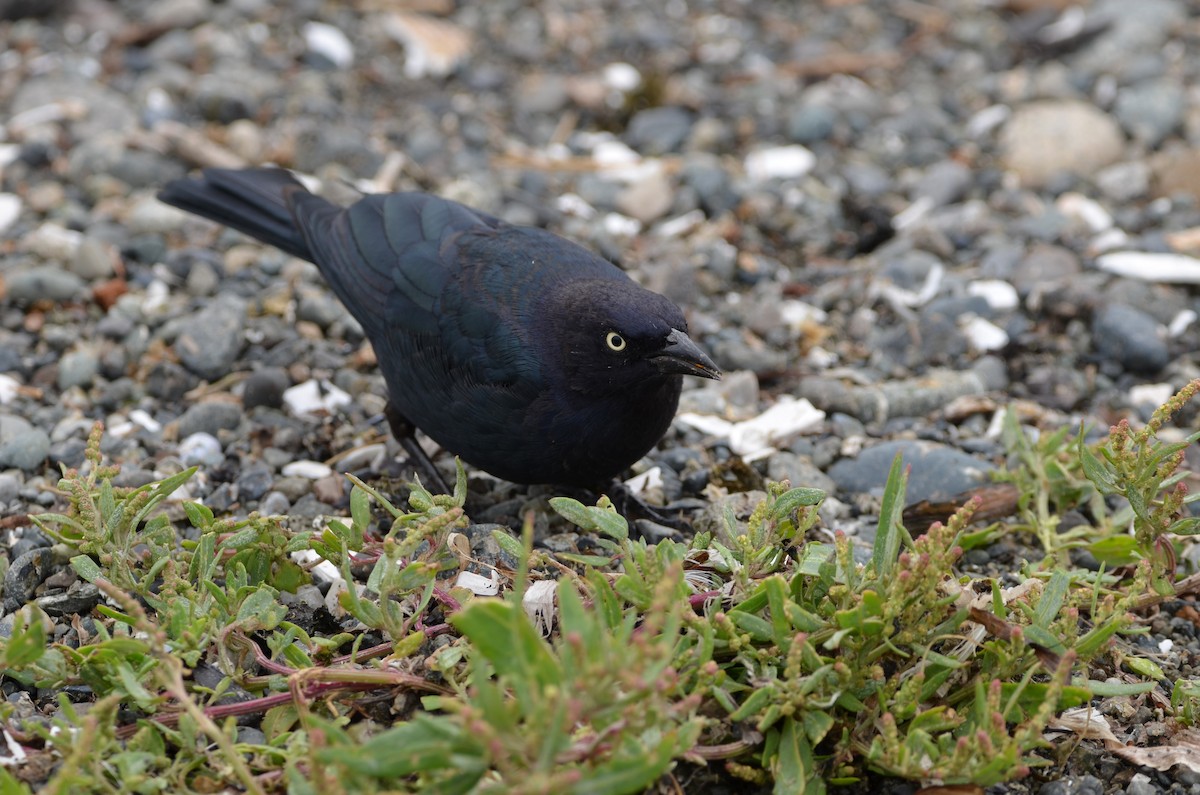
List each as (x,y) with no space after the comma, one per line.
(681,356)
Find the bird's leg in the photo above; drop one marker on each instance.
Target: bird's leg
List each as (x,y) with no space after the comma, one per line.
(406,434)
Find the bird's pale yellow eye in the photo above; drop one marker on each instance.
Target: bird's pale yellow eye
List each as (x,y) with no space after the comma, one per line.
(615,341)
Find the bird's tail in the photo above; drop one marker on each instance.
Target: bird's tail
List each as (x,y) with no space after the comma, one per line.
(253,200)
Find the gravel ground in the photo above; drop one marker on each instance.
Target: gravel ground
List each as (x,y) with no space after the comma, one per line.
(908,213)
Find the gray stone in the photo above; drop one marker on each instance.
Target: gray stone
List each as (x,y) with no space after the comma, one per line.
(657,131)
(43,283)
(1152,110)
(212,338)
(10,487)
(937,471)
(265,387)
(799,471)
(210,417)
(254,480)
(648,199)
(78,368)
(945,182)
(94,259)
(811,123)
(201,449)
(22,445)
(275,503)
(1131,338)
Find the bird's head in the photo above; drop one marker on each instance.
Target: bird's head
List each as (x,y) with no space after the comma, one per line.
(618,335)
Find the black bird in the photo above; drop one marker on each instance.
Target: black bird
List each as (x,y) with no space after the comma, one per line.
(526,354)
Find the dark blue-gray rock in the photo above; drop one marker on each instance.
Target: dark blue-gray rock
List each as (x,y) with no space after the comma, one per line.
(169,382)
(77,368)
(210,417)
(811,123)
(265,387)
(68,453)
(712,184)
(1130,337)
(1151,110)
(254,481)
(657,131)
(79,599)
(212,338)
(24,576)
(26,285)
(937,471)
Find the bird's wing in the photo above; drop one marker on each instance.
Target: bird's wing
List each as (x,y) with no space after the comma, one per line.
(384,255)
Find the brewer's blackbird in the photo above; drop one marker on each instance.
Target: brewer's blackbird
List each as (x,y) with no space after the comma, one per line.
(527,355)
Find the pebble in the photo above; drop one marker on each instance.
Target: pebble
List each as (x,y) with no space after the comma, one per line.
(1048,137)
(647,199)
(782,162)
(658,131)
(200,449)
(43,283)
(210,417)
(22,445)
(937,471)
(212,338)
(1132,338)
(309,470)
(265,387)
(10,210)
(78,368)
(254,481)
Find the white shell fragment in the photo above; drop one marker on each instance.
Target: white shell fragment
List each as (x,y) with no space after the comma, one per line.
(1151,267)
(10,210)
(1150,394)
(1180,323)
(1089,211)
(779,162)
(650,479)
(9,388)
(754,438)
(478,584)
(539,604)
(314,397)
(999,294)
(311,470)
(983,334)
(329,42)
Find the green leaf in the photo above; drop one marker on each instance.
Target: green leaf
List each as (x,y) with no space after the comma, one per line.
(793,500)
(198,514)
(87,569)
(506,637)
(1053,597)
(360,508)
(261,610)
(888,535)
(1143,667)
(27,643)
(793,767)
